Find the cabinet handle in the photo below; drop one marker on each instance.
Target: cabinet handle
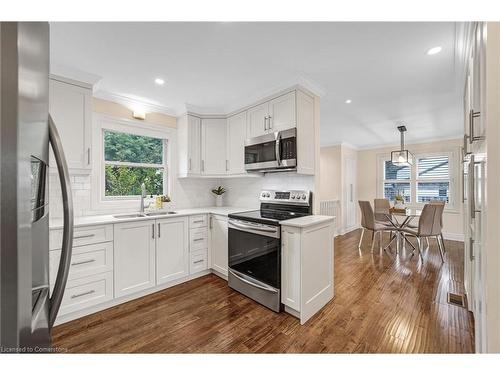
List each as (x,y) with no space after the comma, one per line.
(265,123)
(198,221)
(472,137)
(471,249)
(83,262)
(83,294)
(198,239)
(203,165)
(210,222)
(88,156)
(198,261)
(153,228)
(83,236)
(227,165)
(189,163)
(159,230)
(270,126)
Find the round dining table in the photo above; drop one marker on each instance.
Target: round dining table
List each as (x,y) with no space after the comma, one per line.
(400,219)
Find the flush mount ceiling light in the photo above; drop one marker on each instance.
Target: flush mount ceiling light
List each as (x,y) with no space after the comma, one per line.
(402,157)
(348,101)
(434,50)
(159,81)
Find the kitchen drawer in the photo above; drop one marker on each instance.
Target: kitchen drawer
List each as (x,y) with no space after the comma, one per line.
(198,221)
(198,261)
(86,260)
(198,239)
(83,236)
(86,292)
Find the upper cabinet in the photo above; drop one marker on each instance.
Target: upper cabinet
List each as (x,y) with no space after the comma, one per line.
(189,144)
(271,116)
(213,147)
(70,105)
(236,135)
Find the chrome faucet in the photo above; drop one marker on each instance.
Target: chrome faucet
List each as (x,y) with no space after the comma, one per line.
(143,195)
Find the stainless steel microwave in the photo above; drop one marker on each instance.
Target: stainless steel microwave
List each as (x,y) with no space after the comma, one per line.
(272,152)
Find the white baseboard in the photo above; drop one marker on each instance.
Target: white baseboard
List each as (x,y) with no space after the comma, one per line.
(342,231)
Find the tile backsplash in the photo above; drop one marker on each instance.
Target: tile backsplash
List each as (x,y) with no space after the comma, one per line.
(186,193)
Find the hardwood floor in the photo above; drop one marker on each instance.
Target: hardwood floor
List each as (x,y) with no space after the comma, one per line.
(384,303)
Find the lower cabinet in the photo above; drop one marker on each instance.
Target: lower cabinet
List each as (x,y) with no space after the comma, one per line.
(134,257)
(218,243)
(172,249)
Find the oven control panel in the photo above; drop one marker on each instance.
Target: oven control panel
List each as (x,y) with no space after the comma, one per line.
(286,196)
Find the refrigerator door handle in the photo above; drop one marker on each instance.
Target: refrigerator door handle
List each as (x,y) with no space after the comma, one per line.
(67,240)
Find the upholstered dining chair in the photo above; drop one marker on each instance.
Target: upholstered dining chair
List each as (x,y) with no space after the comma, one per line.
(368,222)
(440,237)
(382,209)
(429,225)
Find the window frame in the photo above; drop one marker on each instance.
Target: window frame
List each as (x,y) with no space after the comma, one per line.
(102,122)
(453,168)
(163,165)
(395,181)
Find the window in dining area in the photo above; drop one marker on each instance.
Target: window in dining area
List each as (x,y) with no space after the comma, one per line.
(397,181)
(429,178)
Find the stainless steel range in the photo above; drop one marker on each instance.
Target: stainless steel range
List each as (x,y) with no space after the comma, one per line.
(255,244)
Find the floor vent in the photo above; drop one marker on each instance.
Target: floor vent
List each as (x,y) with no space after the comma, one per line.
(456,299)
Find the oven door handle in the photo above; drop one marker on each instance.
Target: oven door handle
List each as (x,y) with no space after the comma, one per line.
(242,278)
(254,227)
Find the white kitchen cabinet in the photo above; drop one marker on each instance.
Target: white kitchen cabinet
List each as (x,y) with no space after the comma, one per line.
(213,147)
(218,243)
(189,145)
(236,135)
(134,257)
(307,282)
(257,120)
(70,105)
(282,112)
(172,249)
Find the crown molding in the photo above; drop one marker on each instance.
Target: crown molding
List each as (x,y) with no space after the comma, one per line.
(133,103)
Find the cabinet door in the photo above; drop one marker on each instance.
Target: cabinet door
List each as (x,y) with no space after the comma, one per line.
(134,255)
(236,134)
(478,84)
(172,250)
(194,144)
(218,243)
(257,122)
(70,108)
(213,141)
(290,267)
(282,112)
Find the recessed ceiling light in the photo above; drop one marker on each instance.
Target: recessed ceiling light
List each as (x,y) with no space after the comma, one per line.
(159,81)
(434,50)
(348,101)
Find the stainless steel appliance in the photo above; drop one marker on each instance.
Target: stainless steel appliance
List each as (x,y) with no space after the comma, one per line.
(255,245)
(27,311)
(272,152)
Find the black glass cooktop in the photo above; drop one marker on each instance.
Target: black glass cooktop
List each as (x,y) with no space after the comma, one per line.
(272,215)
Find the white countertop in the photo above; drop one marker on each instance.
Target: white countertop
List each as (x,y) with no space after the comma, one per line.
(307,221)
(81,221)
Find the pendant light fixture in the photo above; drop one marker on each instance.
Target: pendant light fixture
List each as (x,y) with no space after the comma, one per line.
(402,157)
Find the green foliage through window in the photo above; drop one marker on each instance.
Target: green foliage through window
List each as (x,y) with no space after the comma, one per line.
(130,161)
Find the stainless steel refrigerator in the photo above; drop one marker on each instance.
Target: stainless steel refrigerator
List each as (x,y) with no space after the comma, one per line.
(27,310)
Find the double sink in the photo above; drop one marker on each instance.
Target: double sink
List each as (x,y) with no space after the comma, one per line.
(146,214)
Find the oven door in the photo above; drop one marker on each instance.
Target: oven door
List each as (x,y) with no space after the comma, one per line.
(254,251)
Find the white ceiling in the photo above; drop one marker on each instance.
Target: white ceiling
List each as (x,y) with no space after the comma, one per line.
(382,67)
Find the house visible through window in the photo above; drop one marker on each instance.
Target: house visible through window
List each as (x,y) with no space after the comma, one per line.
(129,161)
(428,179)
(433,179)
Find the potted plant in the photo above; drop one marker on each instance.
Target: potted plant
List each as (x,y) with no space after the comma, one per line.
(399,201)
(218,191)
